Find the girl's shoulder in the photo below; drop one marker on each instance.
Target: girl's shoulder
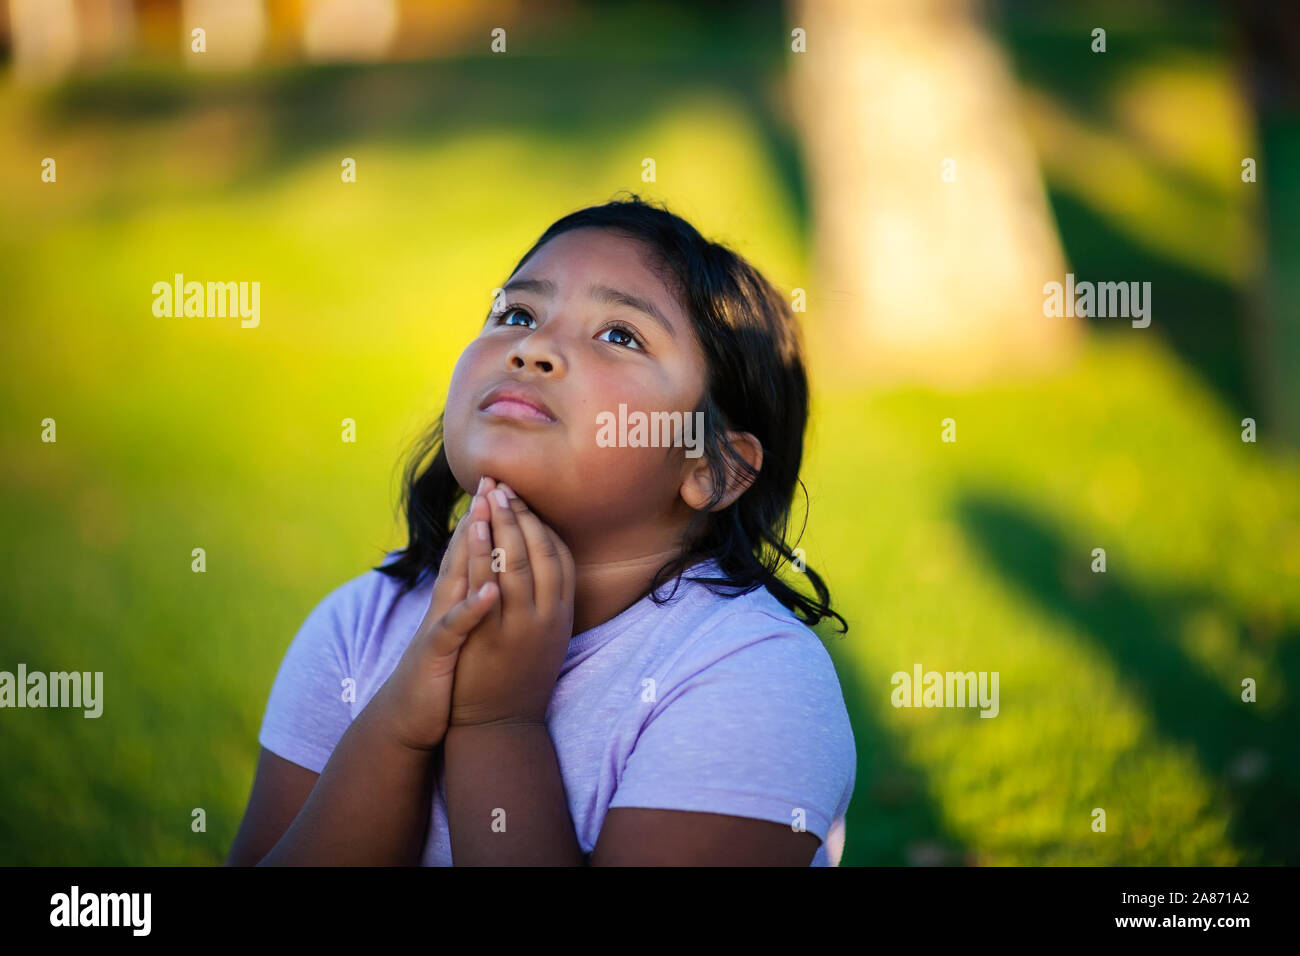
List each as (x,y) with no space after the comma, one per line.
(745,666)
(358,611)
(754,624)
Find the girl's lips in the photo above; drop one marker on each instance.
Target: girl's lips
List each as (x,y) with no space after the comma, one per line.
(517,410)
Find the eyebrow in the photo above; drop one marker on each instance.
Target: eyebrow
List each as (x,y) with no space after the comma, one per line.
(601,293)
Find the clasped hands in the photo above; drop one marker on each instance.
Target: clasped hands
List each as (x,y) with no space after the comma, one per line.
(490,647)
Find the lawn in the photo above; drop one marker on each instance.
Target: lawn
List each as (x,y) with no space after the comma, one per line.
(1119,691)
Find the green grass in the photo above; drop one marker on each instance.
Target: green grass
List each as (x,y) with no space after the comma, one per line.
(1118,691)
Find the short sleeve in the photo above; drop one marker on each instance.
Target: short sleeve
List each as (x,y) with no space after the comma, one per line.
(306,712)
(760,731)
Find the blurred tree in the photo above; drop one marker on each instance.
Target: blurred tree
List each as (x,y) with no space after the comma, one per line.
(1270,31)
(933,232)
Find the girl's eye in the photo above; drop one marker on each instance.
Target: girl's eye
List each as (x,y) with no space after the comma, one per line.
(624,337)
(509,311)
(621,334)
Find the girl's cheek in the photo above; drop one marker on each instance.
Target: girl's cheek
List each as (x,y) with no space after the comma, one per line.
(465,377)
(614,471)
(457,409)
(465,363)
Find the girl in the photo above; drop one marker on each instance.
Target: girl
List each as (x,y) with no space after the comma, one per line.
(518,690)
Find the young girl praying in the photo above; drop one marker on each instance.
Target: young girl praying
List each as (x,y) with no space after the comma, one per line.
(586,654)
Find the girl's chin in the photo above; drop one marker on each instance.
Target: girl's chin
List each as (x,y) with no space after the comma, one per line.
(467,469)
(516,463)
(518,483)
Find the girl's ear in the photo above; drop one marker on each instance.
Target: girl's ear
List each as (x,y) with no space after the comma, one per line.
(697,487)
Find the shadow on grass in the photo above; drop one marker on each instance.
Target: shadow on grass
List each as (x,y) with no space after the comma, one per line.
(1249,758)
(891,820)
(1055,52)
(1201,317)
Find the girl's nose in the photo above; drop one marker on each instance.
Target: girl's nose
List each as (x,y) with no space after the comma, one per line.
(536,351)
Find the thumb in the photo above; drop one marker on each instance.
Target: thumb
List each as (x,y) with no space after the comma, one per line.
(454,626)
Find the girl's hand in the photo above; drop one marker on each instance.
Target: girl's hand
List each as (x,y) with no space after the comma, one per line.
(452,583)
(508,667)
(413,703)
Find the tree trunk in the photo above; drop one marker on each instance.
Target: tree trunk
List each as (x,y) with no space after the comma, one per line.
(1271,34)
(933,235)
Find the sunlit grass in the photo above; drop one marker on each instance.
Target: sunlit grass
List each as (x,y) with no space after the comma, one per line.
(183,433)
(924,579)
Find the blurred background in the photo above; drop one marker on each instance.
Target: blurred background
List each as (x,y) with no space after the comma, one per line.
(915,170)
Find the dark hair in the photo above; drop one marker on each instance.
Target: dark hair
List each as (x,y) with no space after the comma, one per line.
(756,383)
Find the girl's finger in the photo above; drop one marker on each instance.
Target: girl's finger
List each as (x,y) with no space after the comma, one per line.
(478,544)
(568,569)
(454,626)
(568,575)
(454,570)
(547,572)
(517,576)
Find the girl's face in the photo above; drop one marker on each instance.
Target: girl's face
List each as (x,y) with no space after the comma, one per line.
(583,327)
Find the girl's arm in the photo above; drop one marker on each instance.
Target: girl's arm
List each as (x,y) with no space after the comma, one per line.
(369,806)
(635,836)
(505,798)
(280,788)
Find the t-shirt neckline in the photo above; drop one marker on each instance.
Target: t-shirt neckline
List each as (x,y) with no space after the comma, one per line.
(619,622)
